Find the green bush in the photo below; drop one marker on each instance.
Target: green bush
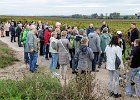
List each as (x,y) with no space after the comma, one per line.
(34,87)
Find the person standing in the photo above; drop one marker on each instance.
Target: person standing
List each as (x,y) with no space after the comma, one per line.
(13,32)
(23,39)
(112,51)
(18,33)
(105,40)
(90,29)
(85,57)
(134,33)
(47,35)
(64,55)
(104,25)
(6,28)
(32,47)
(134,78)
(94,44)
(2,29)
(53,51)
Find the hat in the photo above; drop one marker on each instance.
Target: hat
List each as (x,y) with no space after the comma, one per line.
(105,29)
(119,32)
(81,30)
(32,27)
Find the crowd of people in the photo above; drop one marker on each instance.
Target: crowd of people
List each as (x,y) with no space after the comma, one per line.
(83,49)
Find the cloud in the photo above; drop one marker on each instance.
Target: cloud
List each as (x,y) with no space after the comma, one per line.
(67,7)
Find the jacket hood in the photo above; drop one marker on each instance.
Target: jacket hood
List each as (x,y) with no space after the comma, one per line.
(104,35)
(83,49)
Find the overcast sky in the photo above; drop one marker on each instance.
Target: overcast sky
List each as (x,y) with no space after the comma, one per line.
(68,7)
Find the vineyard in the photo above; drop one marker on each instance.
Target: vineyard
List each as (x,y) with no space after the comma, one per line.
(114,24)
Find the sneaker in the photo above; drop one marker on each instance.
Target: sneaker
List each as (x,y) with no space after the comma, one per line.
(117,95)
(111,93)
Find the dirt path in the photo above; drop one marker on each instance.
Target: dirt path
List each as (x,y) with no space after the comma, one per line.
(19,69)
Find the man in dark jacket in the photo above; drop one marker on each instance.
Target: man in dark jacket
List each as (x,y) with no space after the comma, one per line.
(104,25)
(13,32)
(134,33)
(90,29)
(18,32)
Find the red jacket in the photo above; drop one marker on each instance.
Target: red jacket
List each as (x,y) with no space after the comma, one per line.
(47,35)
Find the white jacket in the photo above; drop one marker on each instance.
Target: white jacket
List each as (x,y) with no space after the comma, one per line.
(111,56)
(51,50)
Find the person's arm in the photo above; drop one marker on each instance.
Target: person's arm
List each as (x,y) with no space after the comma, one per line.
(98,44)
(31,42)
(119,54)
(91,55)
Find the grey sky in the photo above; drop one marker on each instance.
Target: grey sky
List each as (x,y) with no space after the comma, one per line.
(67,7)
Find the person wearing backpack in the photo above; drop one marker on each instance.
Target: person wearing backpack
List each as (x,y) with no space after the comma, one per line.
(53,51)
(84,57)
(105,40)
(113,64)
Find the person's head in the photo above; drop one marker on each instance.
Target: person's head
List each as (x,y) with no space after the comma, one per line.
(57,24)
(91,25)
(12,23)
(64,34)
(133,25)
(69,29)
(81,31)
(54,34)
(84,41)
(137,42)
(50,28)
(119,34)
(20,25)
(97,30)
(27,26)
(33,29)
(75,32)
(114,41)
(58,30)
(103,22)
(105,30)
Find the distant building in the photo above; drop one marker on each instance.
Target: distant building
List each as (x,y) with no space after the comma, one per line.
(138,15)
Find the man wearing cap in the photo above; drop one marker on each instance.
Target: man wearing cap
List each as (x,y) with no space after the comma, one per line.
(134,33)
(32,47)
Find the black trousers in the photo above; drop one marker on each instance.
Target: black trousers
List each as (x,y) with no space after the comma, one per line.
(7,33)
(41,48)
(19,43)
(13,38)
(47,51)
(72,53)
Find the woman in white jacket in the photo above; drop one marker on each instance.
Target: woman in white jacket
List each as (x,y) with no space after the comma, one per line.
(112,50)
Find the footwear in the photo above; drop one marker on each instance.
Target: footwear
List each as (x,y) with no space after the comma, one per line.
(111,93)
(117,95)
(95,70)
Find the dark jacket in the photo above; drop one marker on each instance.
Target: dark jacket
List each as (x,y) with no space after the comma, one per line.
(135,63)
(12,30)
(104,27)
(85,57)
(18,31)
(90,30)
(134,34)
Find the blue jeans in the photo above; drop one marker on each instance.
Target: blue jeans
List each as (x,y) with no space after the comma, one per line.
(135,77)
(113,74)
(26,56)
(95,60)
(54,61)
(101,58)
(33,61)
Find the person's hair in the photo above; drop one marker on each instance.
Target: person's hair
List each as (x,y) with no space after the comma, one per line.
(53,33)
(114,41)
(137,41)
(63,33)
(96,28)
(84,40)
(133,23)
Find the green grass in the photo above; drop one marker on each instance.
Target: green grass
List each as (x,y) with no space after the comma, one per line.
(36,86)
(6,56)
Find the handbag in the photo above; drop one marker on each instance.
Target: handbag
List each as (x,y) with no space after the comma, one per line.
(117,62)
(66,50)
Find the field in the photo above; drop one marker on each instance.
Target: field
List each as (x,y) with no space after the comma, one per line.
(114,24)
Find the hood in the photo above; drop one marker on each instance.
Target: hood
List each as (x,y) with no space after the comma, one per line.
(104,35)
(83,49)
